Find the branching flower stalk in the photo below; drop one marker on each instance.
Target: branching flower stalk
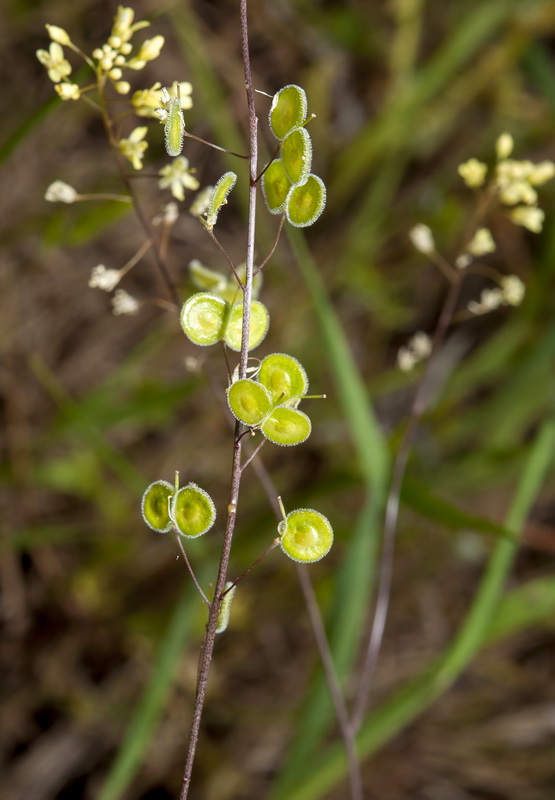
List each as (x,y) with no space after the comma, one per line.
(210,634)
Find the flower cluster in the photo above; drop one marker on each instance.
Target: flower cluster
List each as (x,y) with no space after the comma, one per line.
(416,350)
(514,182)
(510,292)
(147,102)
(108,61)
(113,56)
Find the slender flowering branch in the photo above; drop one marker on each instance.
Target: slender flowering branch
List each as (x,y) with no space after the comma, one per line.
(210,635)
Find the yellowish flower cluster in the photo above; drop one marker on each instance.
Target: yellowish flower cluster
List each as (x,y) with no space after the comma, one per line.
(510,293)
(133,148)
(178,176)
(147,102)
(514,183)
(111,58)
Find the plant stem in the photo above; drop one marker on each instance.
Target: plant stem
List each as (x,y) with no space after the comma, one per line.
(392,507)
(210,634)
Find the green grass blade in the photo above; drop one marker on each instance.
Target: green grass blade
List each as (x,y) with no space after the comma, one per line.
(387,720)
(355,578)
(417,496)
(141,728)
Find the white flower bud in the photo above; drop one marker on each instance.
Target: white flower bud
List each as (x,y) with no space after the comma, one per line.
(123,303)
(504,146)
(60,192)
(104,279)
(58,35)
(422,239)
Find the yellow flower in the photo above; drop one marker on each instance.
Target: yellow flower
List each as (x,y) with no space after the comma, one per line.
(133,148)
(123,29)
(504,146)
(149,50)
(146,101)
(58,35)
(529,217)
(473,172)
(68,91)
(177,176)
(54,61)
(482,243)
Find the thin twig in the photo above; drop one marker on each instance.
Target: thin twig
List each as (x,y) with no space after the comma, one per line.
(348,731)
(254,454)
(260,558)
(392,510)
(189,567)
(272,251)
(226,256)
(210,635)
(270,162)
(214,146)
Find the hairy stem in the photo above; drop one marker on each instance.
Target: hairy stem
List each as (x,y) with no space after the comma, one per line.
(210,634)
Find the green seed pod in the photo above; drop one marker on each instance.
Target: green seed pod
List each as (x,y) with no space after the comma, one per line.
(288,110)
(283,376)
(286,426)
(225,608)
(218,198)
(260,321)
(305,535)
(192,511)
(203,318)
(276,185)
(249,401)
(155,506)
(296,154)
(174,127)
(207,279)
(306,202)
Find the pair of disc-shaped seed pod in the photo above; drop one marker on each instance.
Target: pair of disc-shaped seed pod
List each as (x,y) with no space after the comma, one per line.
(305,535)
(207,318)
(269,402)
(287,184)
(190,510)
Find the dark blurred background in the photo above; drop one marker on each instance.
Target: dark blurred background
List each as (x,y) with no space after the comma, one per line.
(95,406)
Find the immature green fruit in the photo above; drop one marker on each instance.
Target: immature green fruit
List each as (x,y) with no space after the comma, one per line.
(296,154)
(259,323)
(218,198)
(155,506)
(276,185)
(174,127)
(283,376)
(306,202)
(192,511)
(207,279)
(305,535)
(225,608)
(286,426)
(203,318)
(288,110)
(249,401)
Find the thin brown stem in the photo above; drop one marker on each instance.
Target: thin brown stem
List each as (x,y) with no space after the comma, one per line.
(260,558)
(392,509)
(210,635)
(270,162)
(214,146)
(348,731)
(254,453)
(189,567)
(226,256)
(143,219)
(273,250)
